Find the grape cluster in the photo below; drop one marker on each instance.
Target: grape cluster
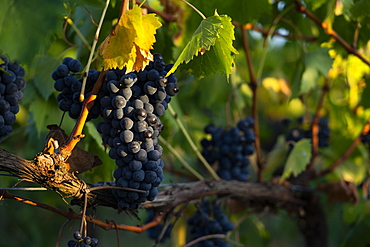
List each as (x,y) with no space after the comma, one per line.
(66,82)
(82,242)
(11,85)
(207,220)
(299,132)
(155,232)
(131,104)
(230,149)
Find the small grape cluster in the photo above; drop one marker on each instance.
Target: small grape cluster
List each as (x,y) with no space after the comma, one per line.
(11,85)
(66,82)
(207,220)
(155,232)
(230,149)
(295,134)
(82,242)
(131,104)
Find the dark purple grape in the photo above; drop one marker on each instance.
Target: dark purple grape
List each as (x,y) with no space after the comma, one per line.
(138,175)
(172,89)
(62,70)
(150,88)
(150,176)
(126,123)
(118,102)
(8,77)
(74,65)
(127,136)
(134,147)
(59,85)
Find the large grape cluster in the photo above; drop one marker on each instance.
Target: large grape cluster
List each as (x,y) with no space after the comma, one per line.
(11,85)
(208,220)
(299,132)
(80,241)
(66,82)
(131,104)
(230,149)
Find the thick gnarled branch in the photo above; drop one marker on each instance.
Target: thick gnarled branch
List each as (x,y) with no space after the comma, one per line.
(48,171)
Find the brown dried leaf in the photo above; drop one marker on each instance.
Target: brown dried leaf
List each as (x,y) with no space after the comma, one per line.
(79,161)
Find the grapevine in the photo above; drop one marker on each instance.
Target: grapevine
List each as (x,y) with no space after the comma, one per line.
(268,134)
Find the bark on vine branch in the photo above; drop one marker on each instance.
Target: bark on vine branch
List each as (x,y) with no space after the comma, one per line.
(46,171)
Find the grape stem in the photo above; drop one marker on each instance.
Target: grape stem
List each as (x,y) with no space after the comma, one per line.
(164,16)
(72,215)
(26,189)
(195,241)
(123,9)
(346,154)
(96,38)
(84,213)
(328,30)
(78,32)
(60,232)
(76,134)
(7,174)
(315,125)
(192,144)
(116,187)
(178,156)
(253,84)
(196,10)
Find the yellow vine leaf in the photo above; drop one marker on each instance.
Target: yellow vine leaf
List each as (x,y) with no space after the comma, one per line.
(130,42)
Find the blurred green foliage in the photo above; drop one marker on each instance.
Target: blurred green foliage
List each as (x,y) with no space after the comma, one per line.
(292,68)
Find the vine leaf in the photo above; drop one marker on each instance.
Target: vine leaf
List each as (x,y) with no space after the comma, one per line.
(130,42)
(210,49)
(298,159)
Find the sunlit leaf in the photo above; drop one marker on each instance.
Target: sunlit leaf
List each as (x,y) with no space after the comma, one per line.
(298,159)
(210,50)
(130,42)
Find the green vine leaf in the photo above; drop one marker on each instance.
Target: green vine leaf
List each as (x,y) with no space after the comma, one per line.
(298,159)
(210,49)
